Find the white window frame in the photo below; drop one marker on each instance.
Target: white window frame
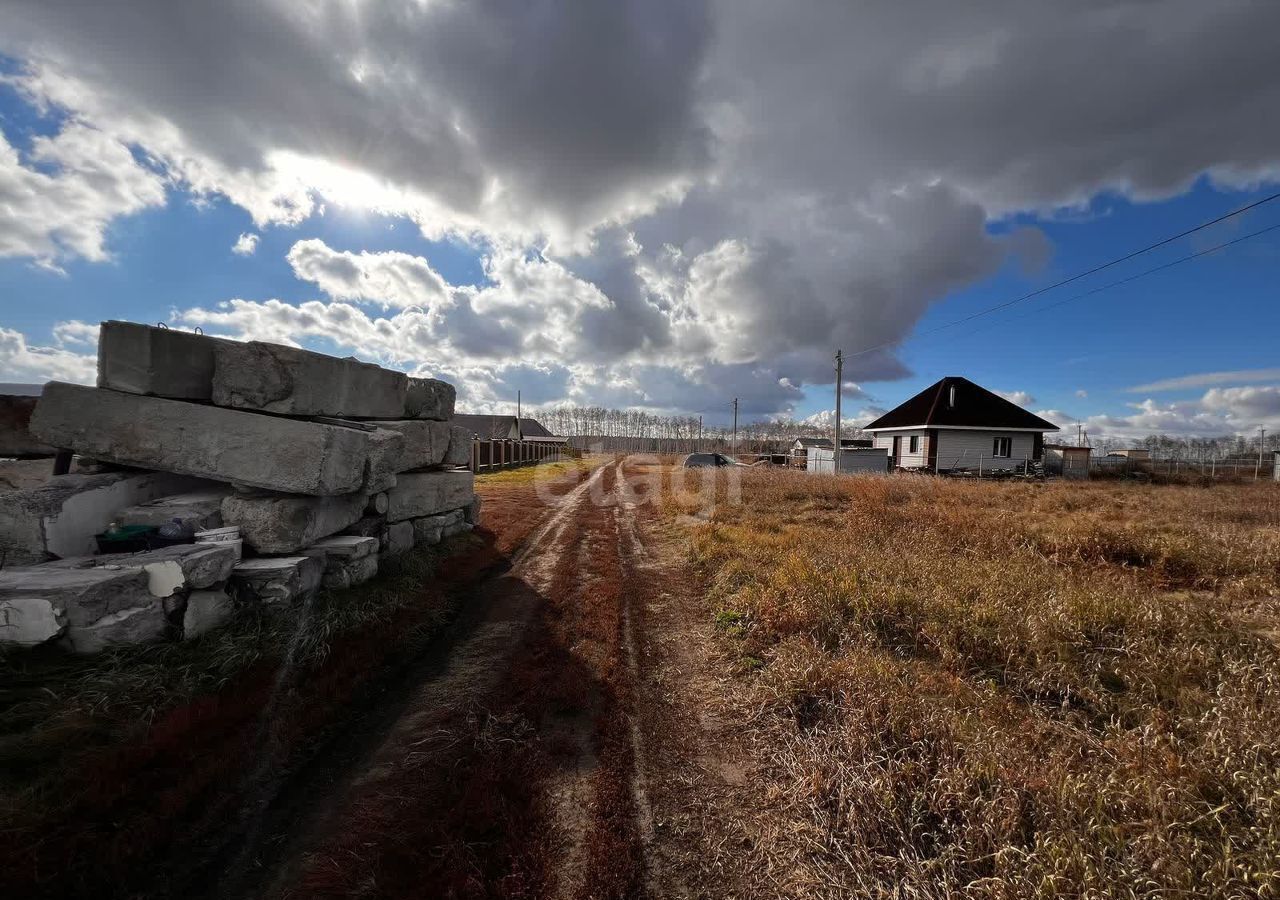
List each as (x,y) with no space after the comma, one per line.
(913,445)
(1006,443)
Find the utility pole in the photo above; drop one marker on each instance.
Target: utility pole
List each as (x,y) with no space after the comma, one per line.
(835,447)
(517,404)
(1262,442)
(734,449)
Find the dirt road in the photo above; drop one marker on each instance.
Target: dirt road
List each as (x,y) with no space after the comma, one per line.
(557,743)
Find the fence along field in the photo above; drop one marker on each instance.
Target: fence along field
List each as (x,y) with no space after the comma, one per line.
(1002,689)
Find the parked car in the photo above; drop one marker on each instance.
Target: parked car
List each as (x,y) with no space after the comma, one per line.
(707,460)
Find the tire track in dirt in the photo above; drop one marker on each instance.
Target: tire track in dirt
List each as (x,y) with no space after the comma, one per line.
(491,629)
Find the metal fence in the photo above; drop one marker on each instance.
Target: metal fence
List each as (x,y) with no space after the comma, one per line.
(490,456)
(1241,468)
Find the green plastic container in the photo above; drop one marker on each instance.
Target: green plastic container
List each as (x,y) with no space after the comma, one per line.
(126,539)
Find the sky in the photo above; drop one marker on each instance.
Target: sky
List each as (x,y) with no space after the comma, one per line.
(662,204)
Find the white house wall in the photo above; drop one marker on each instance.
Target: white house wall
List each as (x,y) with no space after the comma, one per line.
(962,448)
(907,460)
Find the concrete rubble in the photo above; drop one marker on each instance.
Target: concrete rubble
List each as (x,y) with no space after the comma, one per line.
(206,611)
(398,538)
(61,517)
(277,579)
(348,560)
(326,466)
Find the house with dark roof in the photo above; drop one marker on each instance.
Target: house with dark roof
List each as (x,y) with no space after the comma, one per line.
(956,424)
(507,428)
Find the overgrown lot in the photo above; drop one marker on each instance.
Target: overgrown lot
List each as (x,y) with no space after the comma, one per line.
(1003,690)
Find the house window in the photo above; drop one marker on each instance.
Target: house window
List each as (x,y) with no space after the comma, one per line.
(1003,447)
(914,444)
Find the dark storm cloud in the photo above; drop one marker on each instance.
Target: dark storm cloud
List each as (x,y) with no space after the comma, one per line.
(680,202)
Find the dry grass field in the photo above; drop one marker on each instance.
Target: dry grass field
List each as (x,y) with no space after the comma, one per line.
(1000,690)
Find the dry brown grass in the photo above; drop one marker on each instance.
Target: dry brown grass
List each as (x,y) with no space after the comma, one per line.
(1004,690)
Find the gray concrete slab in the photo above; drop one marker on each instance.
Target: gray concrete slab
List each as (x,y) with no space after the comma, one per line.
(460,440)
(223,444)
(164,362)
(418,494)
(283,523)
(291,381)
(426,442)
(386,453)
(277,579)
(170,570)
(199,510)
(429,398)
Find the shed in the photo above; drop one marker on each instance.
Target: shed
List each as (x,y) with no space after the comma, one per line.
(860,460)
(1069,462)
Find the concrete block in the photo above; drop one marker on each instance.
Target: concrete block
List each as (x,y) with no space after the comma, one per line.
(60,518)
(459,453)
(206,610)
(295,382)
(430,530)
(471,512)
(169,570)
(343,574)
(398,539)
(367,526)
(426,442)
(83,596)
(226,445)
(429,398)
(419,494)
(347,546)
(283,523)
(427,531)
(16,439)
(28,621)
(199,510)
(136,625)
(386,452)
(277,579)
(164,362)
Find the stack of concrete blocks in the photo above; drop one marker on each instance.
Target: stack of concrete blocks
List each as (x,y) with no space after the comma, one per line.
(326,466)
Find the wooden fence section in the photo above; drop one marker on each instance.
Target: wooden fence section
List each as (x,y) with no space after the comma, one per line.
(490,456)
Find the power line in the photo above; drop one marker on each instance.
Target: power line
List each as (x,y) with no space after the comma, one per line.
(1160,268)
(1078,276)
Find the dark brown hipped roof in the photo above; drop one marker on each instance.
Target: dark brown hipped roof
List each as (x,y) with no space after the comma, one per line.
(975,407)
(501,428)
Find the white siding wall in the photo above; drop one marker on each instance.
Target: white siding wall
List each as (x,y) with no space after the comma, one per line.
(907,459)
(962,448)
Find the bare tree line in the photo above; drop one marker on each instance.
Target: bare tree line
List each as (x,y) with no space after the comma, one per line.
(1224,447)
(636,431)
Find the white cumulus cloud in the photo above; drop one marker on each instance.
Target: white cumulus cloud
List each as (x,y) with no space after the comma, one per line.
(246,244)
